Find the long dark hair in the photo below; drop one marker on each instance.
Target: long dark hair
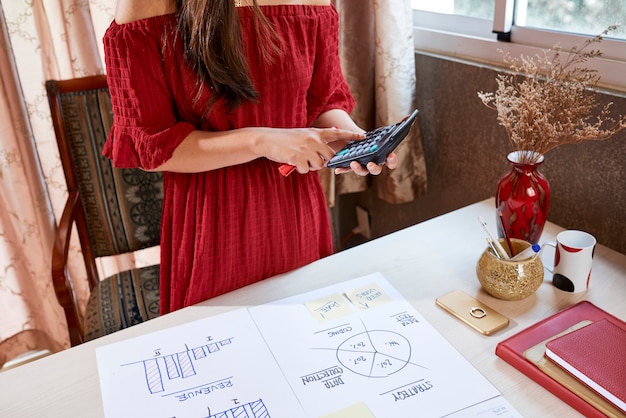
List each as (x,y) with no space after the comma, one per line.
(213,46)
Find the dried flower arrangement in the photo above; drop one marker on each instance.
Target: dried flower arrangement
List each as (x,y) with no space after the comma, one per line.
(545,102)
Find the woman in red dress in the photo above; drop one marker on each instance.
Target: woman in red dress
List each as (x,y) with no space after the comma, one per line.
(218,96)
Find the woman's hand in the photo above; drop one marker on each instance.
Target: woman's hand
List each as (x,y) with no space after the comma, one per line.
(372,168)
(307,149)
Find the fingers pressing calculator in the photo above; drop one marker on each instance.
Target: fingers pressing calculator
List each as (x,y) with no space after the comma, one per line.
(376,145)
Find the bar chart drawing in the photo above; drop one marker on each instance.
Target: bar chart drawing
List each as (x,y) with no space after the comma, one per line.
(255,409)
(171,367)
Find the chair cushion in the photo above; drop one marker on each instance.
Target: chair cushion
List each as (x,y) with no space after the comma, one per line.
(122,300)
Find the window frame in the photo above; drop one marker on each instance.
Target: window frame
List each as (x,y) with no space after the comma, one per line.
(472,39)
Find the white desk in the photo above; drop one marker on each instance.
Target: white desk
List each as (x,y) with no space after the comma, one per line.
(422,262)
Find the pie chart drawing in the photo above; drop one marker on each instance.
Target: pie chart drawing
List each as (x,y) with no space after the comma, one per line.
(375,353)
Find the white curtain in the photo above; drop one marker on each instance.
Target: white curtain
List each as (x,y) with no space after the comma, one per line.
(378,61)
(39,40)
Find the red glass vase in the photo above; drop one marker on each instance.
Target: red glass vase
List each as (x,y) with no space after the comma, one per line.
(523,198)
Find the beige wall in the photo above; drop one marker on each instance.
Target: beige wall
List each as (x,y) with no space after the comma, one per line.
(466,155)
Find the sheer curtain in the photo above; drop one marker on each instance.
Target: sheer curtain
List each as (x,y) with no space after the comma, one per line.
(378,59)
(39,40)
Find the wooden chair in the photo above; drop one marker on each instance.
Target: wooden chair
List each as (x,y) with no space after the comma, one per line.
(115,211)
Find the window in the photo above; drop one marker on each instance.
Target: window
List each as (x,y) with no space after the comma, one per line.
(587,17)
(476,8)
(465,29)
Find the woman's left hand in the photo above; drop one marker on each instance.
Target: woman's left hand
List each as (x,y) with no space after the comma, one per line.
(372,168)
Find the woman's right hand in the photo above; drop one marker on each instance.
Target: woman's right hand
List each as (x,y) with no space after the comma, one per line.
(307,149)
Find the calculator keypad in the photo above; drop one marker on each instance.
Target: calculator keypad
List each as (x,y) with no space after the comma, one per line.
(376,145)
(369,145)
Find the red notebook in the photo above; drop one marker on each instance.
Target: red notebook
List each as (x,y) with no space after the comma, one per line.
(596,355)
(512,349)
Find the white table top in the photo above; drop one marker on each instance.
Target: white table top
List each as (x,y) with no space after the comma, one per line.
(422,262)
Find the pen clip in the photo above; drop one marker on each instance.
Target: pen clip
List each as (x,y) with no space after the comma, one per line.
(493,247)
(286,169)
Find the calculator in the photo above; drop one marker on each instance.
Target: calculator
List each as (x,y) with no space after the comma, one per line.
(376,145)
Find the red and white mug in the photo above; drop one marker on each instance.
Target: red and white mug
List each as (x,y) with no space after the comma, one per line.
(573,258)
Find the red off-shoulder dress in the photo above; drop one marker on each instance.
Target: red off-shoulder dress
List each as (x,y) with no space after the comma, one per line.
(226,228)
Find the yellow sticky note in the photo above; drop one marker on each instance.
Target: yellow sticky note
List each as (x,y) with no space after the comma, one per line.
(368,297)
(329,307)
(359,410)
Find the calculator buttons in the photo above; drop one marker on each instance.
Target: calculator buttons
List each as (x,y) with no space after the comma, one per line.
(376,145)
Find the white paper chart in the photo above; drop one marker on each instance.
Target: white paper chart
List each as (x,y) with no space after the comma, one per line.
(218,367)
(353,350)
(361,345)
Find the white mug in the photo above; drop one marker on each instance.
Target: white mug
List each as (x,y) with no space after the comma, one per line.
(572,260)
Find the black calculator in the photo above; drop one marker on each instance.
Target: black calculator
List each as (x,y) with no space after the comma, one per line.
(376,145)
